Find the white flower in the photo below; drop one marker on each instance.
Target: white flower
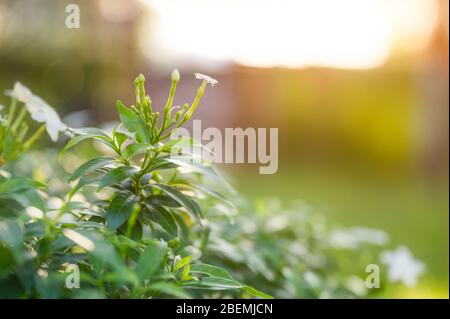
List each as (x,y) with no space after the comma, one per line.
(354,237)
(206,78)
(402,266)
(39,110)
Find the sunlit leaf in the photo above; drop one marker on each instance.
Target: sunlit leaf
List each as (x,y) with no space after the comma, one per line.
(90,166)
(86,133)
(133,123)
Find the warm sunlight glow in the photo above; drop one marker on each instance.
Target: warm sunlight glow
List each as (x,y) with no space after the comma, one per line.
(265,33)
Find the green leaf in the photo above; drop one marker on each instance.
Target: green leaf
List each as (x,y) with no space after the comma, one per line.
(169,289)
(178,144)
(183,262)
(120,137)
(164,218)
(161,164)
(19,184)
(210,270)
(185,275)
(219,278)
(117,175)
(6,263)
(134,149)
(257,293)
(9,207)
(201,168)
(120,208)
(89,167)
(133,123)
(150,260)
(12,235)
(28,197)
(137,231)
(163,200)
(85,180)
(215,283)
(84,134)
(214,194)
(102,251)
(74,205)
(191,206)
(90,131)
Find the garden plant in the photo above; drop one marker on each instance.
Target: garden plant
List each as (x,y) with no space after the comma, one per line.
(144,218)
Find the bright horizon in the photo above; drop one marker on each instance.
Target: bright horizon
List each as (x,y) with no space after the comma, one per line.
(350,34)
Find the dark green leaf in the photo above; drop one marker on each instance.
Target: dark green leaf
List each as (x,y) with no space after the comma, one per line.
(161,164)
(12,235)
(191,206)
(164,218)
(117,175)
(163,200)
(150,260)
(119,209)
(9,207)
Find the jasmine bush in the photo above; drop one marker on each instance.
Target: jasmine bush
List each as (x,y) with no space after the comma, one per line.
(145,220)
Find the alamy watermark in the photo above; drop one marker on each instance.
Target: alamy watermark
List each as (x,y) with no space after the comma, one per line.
(373,279)
(73,277)
(235,145)
(73,16)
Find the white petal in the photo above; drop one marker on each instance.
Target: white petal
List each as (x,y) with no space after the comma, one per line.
(402,266)
(20,92)
(39,110)
(206,78)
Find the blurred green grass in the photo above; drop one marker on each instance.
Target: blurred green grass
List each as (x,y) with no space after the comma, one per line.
(413,210)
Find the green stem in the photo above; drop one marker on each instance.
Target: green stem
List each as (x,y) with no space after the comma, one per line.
(19,120)
(12,111)
(173,88)
(34,137)
(188,114)
(23,131)
(200,92)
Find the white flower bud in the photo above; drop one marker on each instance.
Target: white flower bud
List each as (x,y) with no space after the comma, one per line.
(175,75)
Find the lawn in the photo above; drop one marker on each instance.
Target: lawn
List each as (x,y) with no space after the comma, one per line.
(412,210)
